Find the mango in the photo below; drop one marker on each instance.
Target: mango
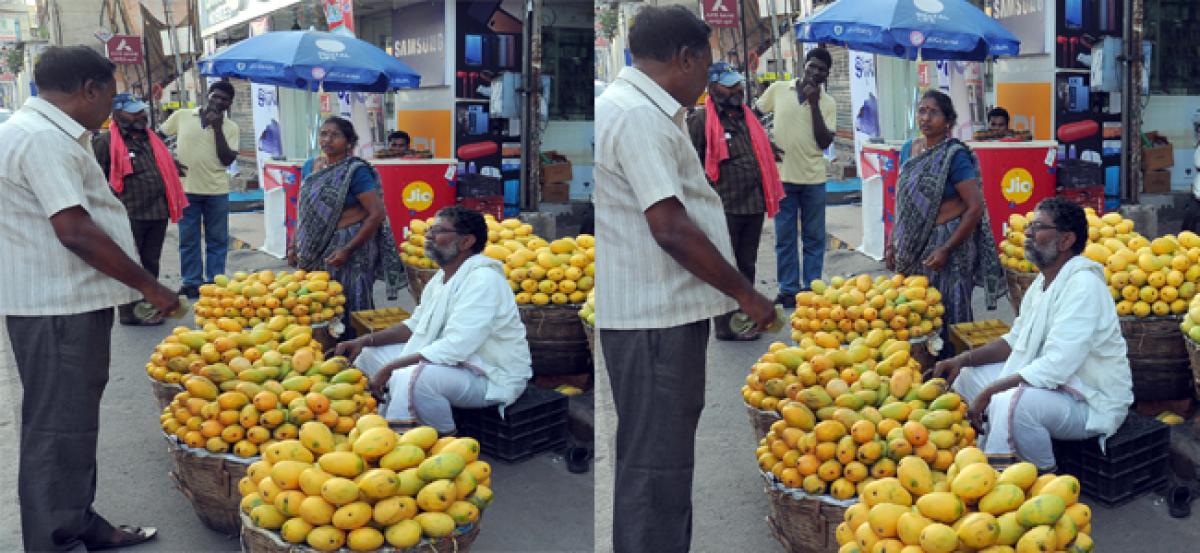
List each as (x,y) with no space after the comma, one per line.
(287,450)
(402,457)
(901,381)
(352,515)
(250,501)
(339,391)
(375,443)
(884,517)
(201,387)
(1065,487)
(339,491)
(295,530)
(978,530)
(1064,532)
(288,502)
(437,495)
(1083,544)
(1041,510)
(379,483)
(1010,529)
(316,437)
(886,490)
(932,389)
(1020,474)
(866,538)
(938,538)
(909,527)
(347,376)
(1037,540)
(465,484)
(364,539)
(937,420)
(974,481)
(946,402)
(482,497)
(441,466)
(297,383)
(342,463)
(286,473)
(463,512)
(1080,514)
(410,483)
(311,480)
(267,516)
(333,365)
(257,376)
(896,411)
(435,524)
(941,506)
(316,511)
(326,538)
(393,510)
(1002,499)
(915,476)
(404,534)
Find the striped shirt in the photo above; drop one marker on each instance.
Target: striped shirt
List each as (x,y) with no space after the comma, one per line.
(145,194)
(740,180)
(644,156)
(46,166)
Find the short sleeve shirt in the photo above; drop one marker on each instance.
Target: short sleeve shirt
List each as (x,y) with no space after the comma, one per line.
(47,166)
(803,159)
(644,156)
(196,148)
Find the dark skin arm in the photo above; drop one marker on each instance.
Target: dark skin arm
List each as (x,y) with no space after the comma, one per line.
(395,334)
(77,232)
(980,405)
(370,201)
(821,133)
(679,236)
(224,152)
(994,352)
(969,191)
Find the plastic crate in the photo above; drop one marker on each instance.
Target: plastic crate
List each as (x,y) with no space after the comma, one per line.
(479,186)
(493,205)
(367,321)
(536,422)
(966,336)
(1135,460)
(1092,197)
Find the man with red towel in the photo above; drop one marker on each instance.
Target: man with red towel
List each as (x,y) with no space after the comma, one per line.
(740,164)
(142,173)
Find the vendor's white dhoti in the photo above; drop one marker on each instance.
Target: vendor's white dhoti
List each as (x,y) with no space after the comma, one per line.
(426,392)
(1022,420)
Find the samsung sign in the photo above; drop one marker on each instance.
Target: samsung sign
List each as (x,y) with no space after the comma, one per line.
(419,40)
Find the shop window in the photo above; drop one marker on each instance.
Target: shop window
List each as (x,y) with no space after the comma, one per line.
(567,56)
(1175,59)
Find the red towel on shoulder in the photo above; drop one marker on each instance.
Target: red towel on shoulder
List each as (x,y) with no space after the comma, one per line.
(717,150)
(120,166)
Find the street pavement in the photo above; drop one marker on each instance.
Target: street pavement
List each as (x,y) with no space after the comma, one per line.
(539,505)
(730,507)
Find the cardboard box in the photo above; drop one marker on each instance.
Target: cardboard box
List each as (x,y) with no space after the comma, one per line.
(556,192)
(1157,157)
(555,167)
(1156,182)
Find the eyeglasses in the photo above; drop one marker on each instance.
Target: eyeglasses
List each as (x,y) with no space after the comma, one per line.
(434,231)
(1037,227)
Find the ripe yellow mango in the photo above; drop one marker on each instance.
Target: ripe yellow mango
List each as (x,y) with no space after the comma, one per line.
(378,483)
(884,517)
(375,443)
(267,516)
(394,509)
(437,495)
(250,501)
(410,483)
(1080,514)
(1065,487)
(482,497)
(295,530)
(364,539)
(1041,510)
(1083,544)
(339,491)
(326,538)
(403,534)
(1002,499)
(941,506)
(1064,532)
(352,515)
(938,538)
(316,511)
(342,463)
(463,512)
(1020,474)
(886,490)
(914,474)
(435,524)
(978,530)
(1037,540)
(1010,529)
(286,473)
(974,481)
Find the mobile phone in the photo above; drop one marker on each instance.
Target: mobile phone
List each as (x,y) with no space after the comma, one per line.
(473,49)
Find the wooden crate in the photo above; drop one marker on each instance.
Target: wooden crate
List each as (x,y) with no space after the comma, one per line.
(967,336)
(374,320)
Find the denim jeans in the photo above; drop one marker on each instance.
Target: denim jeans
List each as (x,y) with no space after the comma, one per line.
(211,211)
(808,201)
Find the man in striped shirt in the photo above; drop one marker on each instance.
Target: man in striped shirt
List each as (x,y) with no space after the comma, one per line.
(665,268)
(66,246)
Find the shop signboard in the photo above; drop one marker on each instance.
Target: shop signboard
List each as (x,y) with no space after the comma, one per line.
(721,13)
(1026,19)
(419,40)
(217,15)
(125,49)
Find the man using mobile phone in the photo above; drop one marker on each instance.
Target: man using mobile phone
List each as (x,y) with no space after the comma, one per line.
(805,118)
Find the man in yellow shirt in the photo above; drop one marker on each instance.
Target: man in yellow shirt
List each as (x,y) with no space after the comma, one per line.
(206,145)
(805,118)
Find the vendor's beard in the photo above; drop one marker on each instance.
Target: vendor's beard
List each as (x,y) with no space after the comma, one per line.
(733,101)
(1041,258)
(441,256)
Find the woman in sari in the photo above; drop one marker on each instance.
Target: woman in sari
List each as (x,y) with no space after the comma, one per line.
(942,229)
(341,227)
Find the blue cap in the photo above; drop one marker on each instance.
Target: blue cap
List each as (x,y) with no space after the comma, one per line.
(724,74)
(128,103)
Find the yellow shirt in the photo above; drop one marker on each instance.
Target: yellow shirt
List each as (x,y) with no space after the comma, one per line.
(803,159)
(196,148)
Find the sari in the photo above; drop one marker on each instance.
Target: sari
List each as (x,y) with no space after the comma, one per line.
(916,235)
(322,198)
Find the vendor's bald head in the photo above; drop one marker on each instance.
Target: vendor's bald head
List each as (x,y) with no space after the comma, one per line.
(670,45)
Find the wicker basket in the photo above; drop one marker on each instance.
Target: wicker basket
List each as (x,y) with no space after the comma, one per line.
(1018,283)
(558,343)
(761,421)
(1194,357)
(259,540)
(803,525)
(418,277)
(209,482)
(1158,358)
(164,393)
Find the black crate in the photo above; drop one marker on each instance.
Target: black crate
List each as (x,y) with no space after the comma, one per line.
(1076,173)
(536,422)
(1112,490)
(1138,440)
(478,186)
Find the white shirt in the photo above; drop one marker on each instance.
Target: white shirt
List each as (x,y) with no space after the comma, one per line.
(47,165)
(644,156)
(1070,336)
(473,321)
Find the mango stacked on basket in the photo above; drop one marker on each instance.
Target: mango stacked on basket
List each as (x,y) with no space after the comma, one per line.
(251,298)
(972,507)
(235,404)
(1155,278)
(588,311)
(375,486)
(1190,326)
(1101,230)
(848,420)
(902,307)
(559,272)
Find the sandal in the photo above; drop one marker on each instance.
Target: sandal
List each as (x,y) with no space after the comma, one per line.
(577,459)
(125,536)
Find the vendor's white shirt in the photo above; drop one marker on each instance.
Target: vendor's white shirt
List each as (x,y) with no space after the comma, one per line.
(472,321)
(1069,337)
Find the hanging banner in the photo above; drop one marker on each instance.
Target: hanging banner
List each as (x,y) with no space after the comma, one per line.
(340,15)
(864,100)
(268,136)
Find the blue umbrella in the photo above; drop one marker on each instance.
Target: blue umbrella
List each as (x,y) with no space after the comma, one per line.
(934,29)
(310,60)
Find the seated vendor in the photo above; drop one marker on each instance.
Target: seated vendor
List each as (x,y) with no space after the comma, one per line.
(998,120)
(398,142)
(465,343)
(1061,372)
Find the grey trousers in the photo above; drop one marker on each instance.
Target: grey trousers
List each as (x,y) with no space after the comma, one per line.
(63,364)
(658,389)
